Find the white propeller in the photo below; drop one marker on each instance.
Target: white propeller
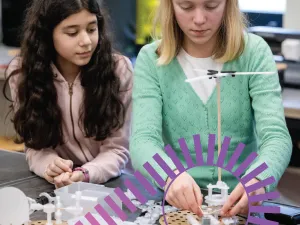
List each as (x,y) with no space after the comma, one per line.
(216,74)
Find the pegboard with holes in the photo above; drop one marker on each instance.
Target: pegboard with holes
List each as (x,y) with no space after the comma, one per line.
(44,222)
(179,218)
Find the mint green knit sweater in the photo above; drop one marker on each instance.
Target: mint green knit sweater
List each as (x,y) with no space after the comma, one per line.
(166,108)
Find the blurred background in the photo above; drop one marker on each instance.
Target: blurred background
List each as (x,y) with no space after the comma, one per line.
(130,23)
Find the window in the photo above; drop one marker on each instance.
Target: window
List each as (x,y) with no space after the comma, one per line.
(266,6)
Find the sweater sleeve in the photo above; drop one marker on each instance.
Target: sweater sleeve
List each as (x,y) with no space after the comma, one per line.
(114,150)
(146,139)
(275,144)
(38,160)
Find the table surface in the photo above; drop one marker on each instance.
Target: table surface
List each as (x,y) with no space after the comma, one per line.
(14,172)
(15,162)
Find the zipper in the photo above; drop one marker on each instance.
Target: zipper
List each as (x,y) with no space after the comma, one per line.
(72,120)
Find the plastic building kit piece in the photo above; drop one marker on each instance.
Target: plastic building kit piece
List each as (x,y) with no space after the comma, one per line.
(49,209)
(31,202)
(49,197)
(77,209)
(210,210)
(91,195)
(13,200)
(230,221)
(206,220)
(36,207)
(192,220)
(219,74)
(99,219)
(58,213)
(213,220)
(151,210)
(217,199)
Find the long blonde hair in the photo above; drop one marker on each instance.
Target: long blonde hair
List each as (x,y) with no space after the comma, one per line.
(230,42)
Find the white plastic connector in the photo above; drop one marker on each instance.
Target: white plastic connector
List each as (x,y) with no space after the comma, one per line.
(50,199)
(192,220)
(217,199)
(49,209)
(230,221)
(36,207)
(58,212)
(213,220)
(77,209)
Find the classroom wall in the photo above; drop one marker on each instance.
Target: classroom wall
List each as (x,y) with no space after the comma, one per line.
(292,16)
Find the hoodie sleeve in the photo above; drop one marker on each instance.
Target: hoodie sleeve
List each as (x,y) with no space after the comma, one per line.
(114,153)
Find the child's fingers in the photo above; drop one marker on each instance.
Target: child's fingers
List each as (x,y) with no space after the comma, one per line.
(199,199)
(58,181)
(66,179)
(77,176)
(172,199)
(49,178)
(62,165)
(198,194)
(192,202)
(171,202)
(62,180)
(54,169)
(69,163)
(240,207)
(235,195)
(52,173)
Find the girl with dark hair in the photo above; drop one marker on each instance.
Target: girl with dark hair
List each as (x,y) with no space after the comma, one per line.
(71,94)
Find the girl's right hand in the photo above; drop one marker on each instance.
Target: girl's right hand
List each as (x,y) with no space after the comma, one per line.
(184,193)
(57,167)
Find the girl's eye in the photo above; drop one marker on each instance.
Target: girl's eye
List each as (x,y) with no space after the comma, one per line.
(186,7)
(72,34)
(92,30)
(211,7)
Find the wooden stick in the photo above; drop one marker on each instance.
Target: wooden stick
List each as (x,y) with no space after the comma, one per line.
(219,124)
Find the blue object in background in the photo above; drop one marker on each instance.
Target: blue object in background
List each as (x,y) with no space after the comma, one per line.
(264,19)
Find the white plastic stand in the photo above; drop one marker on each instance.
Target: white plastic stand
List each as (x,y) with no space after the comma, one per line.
(77,209)
(217,199)
(58,212)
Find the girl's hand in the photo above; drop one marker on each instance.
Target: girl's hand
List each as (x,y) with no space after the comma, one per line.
(68,178)
(77,176)
(184,193)
(56,168)
(238,200)
(63,180)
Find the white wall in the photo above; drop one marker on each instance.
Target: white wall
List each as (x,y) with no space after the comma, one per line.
(292,15)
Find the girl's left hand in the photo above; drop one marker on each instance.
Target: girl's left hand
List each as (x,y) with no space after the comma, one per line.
(237,202)
(68,178)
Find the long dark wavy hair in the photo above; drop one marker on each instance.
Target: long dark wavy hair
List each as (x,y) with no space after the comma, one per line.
(38,118)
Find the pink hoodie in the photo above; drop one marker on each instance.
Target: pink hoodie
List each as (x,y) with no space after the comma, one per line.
(104,159)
